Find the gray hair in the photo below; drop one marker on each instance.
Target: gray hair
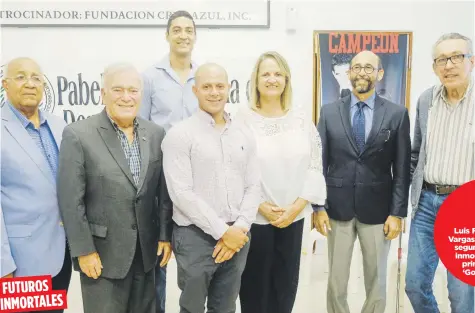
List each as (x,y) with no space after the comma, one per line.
(449,36)
(118,68)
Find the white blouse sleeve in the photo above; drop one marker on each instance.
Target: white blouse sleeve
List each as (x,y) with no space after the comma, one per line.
(243,116)
(315,189)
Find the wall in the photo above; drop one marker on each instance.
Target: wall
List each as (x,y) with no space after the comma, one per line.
(71,55)
(65,53)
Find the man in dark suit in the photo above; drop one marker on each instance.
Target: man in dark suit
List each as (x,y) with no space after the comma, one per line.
(366,163)
(110,184)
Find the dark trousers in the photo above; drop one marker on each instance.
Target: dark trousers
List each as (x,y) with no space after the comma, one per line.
(270,279)
(133,294)
(62,279)
(160,285)
(200,277)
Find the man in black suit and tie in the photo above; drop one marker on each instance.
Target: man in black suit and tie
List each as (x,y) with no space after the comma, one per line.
(366,163)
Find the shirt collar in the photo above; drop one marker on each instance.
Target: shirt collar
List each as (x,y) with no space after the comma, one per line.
(164,64)
(443,91)
(207,118)
(116,127)
(369,102)
(25,122)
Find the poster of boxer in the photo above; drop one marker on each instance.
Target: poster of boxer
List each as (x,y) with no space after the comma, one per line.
(333,51)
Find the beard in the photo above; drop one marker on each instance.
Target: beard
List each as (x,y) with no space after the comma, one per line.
(362,88)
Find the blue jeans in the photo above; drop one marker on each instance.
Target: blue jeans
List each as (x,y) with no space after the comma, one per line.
(160,285)
(422,262)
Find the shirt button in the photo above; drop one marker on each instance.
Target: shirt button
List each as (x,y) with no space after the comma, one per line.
(134,226)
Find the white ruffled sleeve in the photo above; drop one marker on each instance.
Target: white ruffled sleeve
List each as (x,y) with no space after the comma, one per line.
(315,189)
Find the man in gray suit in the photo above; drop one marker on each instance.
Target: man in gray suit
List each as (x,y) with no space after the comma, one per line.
(113,199)
(442,159)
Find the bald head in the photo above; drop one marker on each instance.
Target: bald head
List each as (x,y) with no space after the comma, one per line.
(24,84)
(365,57)
(21,62)
(210,70)
(211,88)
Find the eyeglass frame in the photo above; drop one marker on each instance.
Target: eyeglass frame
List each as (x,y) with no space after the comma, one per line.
(464,55)
(27,79)
(364,67)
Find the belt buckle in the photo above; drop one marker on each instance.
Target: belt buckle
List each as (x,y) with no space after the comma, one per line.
(444,190)
(437,190)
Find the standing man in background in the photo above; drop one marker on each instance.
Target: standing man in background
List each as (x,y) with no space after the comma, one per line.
(366,162)
(168,98)
(442,159)
(32,233)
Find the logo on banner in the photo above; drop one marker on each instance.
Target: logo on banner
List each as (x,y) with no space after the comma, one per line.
(49,98)
(33,293)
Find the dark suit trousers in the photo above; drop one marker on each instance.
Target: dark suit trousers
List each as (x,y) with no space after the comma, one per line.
(200,277)
(271,277)
(62,280)
(133,294)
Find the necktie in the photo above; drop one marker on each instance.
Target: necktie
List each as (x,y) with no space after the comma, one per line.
(359,126)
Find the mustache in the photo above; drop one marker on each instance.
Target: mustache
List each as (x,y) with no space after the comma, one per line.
(362,77)
(361,89)
(354,81)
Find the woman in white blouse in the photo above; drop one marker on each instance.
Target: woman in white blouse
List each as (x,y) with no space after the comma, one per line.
(290,156)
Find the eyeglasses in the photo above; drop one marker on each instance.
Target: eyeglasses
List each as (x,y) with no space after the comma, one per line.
(22,79)
(368,69)
(455,59)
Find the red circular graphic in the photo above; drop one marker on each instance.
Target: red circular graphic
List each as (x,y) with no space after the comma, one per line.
(454,233)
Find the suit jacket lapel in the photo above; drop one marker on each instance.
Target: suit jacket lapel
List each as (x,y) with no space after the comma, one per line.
(378,117)
(345,118)
(109,136)
(144,155)
(56,130)
(20,134)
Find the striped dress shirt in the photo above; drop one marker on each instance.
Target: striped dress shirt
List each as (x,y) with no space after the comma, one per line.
(212,174)
(450,155)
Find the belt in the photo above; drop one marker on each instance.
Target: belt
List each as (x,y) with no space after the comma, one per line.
(439,189)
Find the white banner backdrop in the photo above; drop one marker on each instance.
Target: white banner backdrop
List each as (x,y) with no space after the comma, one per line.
(206,13)
(74,93)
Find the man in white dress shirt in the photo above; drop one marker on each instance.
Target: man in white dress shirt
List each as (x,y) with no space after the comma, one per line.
(213,178)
